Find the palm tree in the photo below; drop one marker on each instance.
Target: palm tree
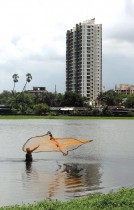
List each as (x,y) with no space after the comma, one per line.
(15,80)
(28,79)
(18,99)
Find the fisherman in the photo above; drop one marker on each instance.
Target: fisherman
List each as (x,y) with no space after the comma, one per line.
(29,154)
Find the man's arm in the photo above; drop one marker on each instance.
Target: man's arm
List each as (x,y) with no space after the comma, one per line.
(35,148)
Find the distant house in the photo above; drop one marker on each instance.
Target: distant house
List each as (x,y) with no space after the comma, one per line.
(5,109)
(67,110)
(124,89)
(38,90)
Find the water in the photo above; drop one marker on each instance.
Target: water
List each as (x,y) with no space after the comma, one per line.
(104,165)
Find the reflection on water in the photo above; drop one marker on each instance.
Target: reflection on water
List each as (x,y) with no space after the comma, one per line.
(100,166)
(66,181)
(81,177)
(28,167)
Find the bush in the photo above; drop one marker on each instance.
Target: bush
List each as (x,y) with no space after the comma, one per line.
(41,109)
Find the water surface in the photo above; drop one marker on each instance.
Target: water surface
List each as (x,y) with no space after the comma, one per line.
(104,165)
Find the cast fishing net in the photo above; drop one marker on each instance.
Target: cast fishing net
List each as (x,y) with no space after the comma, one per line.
(46,144)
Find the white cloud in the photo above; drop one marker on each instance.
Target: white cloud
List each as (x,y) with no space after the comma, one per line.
(33,37)
(116,47)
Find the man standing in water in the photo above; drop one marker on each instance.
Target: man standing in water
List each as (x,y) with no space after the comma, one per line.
(29,154)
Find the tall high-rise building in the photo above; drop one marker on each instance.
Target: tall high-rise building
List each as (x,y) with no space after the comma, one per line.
(84,59)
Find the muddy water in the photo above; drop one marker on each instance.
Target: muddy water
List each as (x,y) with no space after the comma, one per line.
(104,165)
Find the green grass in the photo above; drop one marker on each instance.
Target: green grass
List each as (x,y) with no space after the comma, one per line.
(62,117)
(121,200)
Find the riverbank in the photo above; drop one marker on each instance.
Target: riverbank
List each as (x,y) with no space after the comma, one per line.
(63,117)
(121,200)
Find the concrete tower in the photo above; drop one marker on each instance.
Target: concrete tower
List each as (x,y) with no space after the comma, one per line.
(84,59)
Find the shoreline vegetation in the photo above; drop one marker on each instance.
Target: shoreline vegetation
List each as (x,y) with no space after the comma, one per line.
(64,117)
(121,200)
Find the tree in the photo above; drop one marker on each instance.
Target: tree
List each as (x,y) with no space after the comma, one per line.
(28,79)
(51,99)
(73,99)
(15,80)
(107,111)
(58,99)
(41,109)
(108,98)
(22,104)
(129,102)
(20,101)
(5,96)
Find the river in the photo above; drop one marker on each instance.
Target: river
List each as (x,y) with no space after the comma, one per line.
(104,165)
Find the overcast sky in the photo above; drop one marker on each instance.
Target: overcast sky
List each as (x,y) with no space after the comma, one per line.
(33,40)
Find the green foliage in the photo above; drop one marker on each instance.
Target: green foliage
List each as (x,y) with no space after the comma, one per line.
(15,80)
(130,114)
(129,101)
(111,98)
(73,99)
(25,104)
(41,109)
(120,98)
(64,117)
(106,111)
(121,200)
(51,99)
(5,97)
(124,199)
(108,98)
(22,103)
(96,112)
(28,79)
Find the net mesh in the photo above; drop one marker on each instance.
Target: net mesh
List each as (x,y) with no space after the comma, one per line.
(45,144)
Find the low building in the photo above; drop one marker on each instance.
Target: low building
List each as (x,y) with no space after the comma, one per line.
(124,89)
(5,110)
(68,110)
(38,90)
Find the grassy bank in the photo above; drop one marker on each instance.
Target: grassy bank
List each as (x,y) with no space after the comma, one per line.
(62,117)
(122,200)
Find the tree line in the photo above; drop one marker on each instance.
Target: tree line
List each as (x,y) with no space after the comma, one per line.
(112,98)
(25,102)
(40,102)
